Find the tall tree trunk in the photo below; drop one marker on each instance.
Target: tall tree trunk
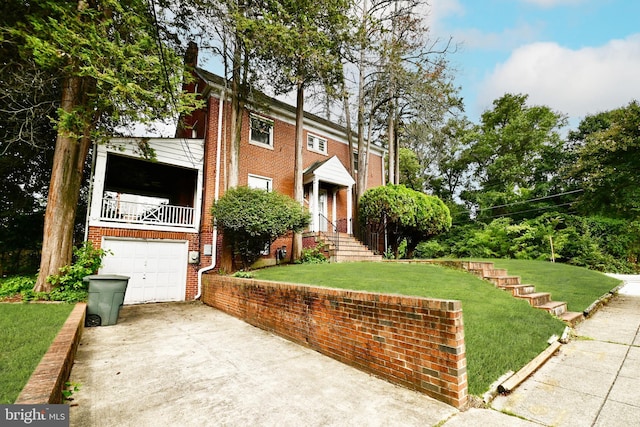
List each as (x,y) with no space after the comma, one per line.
(298,185)
(64,189)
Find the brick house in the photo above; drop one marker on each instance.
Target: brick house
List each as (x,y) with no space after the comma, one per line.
(154,216)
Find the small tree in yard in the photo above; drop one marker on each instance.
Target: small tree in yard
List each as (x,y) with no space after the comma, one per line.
(253,218)
(404,214)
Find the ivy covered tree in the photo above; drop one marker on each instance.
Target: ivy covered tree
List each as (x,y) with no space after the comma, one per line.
(111,61)
(404,214)
(251,219)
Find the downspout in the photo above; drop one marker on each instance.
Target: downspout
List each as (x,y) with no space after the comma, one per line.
(94,154)
(216,195)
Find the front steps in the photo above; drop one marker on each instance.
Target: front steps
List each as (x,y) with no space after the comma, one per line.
(343,247)
(512,284)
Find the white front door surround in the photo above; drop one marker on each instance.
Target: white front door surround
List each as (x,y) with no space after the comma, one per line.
(332,172)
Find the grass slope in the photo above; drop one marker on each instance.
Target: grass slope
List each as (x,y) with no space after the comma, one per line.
(499,330)
(577,286)
(26,332)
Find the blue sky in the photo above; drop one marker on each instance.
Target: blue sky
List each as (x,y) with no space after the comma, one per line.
(578,57)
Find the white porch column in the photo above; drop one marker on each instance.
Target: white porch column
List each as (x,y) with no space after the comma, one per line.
(334,215)
(315,221)
(349,210)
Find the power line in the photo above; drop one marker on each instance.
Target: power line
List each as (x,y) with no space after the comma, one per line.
(523,202)
(532,200)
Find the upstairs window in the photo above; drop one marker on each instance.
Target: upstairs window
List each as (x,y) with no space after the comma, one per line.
(261,132)
(317,144)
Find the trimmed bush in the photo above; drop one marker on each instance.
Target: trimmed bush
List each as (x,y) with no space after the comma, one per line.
(251,219)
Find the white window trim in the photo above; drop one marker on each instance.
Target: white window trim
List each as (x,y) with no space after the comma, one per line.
(258,143)
(265,179)
(314,144)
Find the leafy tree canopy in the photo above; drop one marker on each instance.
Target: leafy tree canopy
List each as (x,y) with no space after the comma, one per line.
(404,213)
(607,148)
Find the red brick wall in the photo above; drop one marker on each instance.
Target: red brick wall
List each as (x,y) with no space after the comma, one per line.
(276,163)
(414,342)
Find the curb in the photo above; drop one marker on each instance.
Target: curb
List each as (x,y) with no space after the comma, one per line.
(524,373)
(602,301)
(47,381)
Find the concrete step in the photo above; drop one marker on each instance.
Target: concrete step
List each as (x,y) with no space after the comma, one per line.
(517,290)
(357,258)
(557,308)
(537,298)
(501,281)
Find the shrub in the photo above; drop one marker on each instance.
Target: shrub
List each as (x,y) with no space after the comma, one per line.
(17,285)
(404,214)
(68,284)
(253,218)
(313,255)
(430,249)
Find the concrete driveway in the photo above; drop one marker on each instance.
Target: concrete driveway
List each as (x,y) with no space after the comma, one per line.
(186,364)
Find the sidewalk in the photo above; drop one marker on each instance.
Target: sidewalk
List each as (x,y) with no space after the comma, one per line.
(595,380)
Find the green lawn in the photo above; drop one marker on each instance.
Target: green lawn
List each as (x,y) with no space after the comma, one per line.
(502,333)
(576,286)
(26,332)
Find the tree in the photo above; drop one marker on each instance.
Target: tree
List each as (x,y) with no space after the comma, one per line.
(299,45)
(607,149)
(516,154)
(410,170)
(253,218)
(114,69)
(404,214)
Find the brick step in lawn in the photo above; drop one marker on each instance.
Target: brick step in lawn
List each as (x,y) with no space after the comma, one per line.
(501,281)
(571,317)
(536,299)
(557,308)
(541,300)
(517,290)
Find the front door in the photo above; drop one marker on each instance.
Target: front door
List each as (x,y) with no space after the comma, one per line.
(322,210)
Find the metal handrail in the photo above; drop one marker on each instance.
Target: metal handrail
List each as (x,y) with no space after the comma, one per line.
(333,236)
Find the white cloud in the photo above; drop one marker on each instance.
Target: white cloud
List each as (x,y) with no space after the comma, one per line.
(576,82)
(508,38)
(552,3)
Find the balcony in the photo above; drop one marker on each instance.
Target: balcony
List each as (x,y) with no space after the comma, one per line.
(116,209)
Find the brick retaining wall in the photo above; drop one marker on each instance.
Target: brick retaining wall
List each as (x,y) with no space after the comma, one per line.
(47,382)
(414,342)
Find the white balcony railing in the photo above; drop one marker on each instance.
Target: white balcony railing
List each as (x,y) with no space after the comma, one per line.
(146,213)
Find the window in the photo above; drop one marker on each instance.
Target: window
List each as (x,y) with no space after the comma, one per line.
(355,161)
(255,181)
(261,131)
(315,143)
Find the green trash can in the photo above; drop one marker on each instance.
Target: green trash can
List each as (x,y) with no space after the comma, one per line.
(106,296)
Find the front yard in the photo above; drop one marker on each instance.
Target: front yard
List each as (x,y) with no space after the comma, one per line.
(26,332)
(502,333)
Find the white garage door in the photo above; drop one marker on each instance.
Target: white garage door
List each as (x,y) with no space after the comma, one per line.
(157,268)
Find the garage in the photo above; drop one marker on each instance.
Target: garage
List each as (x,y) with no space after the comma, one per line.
(157,268)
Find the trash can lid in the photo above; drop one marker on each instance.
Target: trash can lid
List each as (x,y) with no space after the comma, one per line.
(104,277)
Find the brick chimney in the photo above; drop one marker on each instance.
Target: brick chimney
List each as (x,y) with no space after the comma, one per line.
(191,55)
